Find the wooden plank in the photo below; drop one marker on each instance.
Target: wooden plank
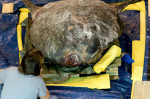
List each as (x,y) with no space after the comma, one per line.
(141,90)
(8,8)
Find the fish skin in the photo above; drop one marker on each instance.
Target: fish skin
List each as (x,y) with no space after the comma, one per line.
(75,32)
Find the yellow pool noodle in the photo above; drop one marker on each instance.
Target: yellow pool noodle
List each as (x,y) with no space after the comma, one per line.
(110,55)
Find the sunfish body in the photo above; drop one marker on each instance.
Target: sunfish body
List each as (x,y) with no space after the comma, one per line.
(75,32)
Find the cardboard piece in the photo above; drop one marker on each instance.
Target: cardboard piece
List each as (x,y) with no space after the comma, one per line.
(141,90)
(8,8)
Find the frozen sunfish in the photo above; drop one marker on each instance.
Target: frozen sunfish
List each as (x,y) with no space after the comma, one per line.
(71,33)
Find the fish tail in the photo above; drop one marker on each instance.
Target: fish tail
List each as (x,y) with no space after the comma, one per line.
(30,5)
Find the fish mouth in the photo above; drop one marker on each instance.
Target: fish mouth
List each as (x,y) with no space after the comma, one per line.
(72,60)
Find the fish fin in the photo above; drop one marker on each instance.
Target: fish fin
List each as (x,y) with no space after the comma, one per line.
(30,6)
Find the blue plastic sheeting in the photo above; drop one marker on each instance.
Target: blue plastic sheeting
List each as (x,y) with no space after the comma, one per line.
(82,93)
(3,62)
(146,58)
(124,83)
(8,40)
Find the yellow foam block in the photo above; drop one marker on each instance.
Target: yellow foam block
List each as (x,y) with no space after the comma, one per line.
(23,15)
(111,54)
(19,38)
(8,8)
(96,81)
(137,64)
(19,35)
(142,25)
(137,73)
(138,52)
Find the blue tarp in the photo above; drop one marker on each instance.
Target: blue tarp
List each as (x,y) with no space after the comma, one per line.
(147,47)
(8,40)
(120,89)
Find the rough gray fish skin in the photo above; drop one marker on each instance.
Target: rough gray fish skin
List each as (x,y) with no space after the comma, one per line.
(75,32)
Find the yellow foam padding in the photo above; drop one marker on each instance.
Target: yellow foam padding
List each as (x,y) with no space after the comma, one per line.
(138,50)
(96,81)
(23,15)
(110,55)
(138,46)
(19,38)
(137,73)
